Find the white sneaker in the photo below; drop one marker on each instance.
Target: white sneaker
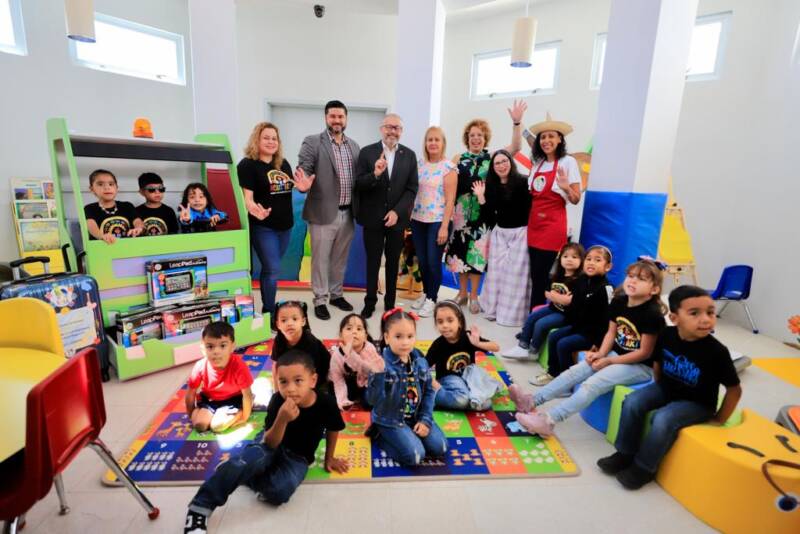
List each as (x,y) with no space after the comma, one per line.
(516,353)
(427,308)
(419,302)
(542,380)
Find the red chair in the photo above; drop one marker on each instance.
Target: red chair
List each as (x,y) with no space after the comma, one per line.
(65,413)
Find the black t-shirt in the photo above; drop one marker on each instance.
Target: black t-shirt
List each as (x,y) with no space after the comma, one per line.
(271,188)
(303,434)
(451,358)
(116,221)
(588,311)
(563,286)
(412,394)
(693,370)
(509,205)
(157,221)
(319,354)
(633,323)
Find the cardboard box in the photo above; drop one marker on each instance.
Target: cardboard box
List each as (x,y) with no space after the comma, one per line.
(173,281)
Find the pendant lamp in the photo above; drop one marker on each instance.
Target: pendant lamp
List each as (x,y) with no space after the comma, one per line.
(80,20)
(523,40)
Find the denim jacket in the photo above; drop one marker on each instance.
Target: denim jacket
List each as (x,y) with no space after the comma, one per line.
(386,391)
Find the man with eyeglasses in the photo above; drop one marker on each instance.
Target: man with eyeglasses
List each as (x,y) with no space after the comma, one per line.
(386,184)
(157,218)
(331,156)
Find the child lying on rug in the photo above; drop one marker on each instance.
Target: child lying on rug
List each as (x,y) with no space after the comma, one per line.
(224,398)
(297,418)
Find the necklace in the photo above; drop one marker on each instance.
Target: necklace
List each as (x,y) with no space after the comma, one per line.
(111,211)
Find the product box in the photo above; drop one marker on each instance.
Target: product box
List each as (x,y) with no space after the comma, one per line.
(244,306)
(186,319)
(172,281)
(228,309)
(134,328)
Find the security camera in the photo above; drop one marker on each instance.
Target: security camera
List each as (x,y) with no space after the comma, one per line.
(319,10)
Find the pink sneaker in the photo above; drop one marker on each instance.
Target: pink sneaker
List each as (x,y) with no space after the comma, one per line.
(524,401)
(536,423)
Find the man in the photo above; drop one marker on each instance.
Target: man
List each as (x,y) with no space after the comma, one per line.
(331,156)
(386,184)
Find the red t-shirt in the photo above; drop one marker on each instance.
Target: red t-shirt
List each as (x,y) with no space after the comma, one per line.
(221,384)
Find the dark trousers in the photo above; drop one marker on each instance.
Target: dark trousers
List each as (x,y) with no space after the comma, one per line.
(541,263)
(560,346)
(429,255)
(378,241)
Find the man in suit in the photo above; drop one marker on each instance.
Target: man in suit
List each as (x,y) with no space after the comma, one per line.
(386,184)
(328,208)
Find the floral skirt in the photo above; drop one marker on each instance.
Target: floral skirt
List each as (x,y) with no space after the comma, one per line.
(468,247)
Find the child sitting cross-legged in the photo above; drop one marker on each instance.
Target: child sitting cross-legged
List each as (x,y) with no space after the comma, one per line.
(352,361)
(297,419)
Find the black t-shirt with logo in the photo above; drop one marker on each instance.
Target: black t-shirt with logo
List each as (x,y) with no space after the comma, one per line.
(693,370)
(451,358)
(157,221)
(633,323)
(563,286)
(271,188)
(117,220)
(302,435)
(412,394)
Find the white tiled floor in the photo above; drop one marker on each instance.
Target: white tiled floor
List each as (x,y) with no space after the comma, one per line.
(589,502)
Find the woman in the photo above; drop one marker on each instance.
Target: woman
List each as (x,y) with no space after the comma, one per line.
(430,219)
(267,183)
(506,204)
(469,244)
(556,180)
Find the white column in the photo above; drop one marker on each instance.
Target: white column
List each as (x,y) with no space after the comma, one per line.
(212,26)
(420,54)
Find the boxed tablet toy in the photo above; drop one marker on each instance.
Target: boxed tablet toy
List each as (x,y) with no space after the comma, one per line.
(176,280)
(186,319)
(135,327)
(244,306)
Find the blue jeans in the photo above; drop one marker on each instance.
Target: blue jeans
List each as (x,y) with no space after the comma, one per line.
(274,473)
(405,447)
(270,246)
(593,384)
(560,345)
(670,417)
(429,255)
(537,325)
(454,393)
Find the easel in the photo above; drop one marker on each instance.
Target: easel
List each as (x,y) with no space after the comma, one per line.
(675,246)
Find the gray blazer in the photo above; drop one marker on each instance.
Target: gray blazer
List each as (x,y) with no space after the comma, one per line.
(316,157)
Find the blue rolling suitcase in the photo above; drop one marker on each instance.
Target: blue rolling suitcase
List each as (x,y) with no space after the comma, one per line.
(76,300)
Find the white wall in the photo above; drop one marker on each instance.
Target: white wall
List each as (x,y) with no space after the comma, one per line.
(46,84)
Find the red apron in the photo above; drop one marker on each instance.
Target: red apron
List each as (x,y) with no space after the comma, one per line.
(547,221)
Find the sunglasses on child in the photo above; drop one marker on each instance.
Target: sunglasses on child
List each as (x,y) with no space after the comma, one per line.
(156,188)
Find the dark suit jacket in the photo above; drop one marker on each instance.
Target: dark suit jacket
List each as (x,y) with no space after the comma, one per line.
(374,195)
(316,157)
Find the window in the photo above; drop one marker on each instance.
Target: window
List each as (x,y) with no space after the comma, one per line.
(125,47)
(598,59)
(12,32)
(494,77)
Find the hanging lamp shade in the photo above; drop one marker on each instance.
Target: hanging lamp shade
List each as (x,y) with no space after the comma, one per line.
(522,44)
(80,20)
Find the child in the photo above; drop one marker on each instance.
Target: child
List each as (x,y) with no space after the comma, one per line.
(109,219)
(224,398)
(452,354)
(690,365)
(294,332)
(297,418)
(157,218)
(586,315)
(402,396)
(198,213)
(545,318)
(352,361)
(635,320)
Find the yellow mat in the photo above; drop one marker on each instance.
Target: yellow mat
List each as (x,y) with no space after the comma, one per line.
(787,369)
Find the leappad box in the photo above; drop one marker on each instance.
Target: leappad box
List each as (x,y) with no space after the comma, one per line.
(173,281)
(188,319)
(134,328)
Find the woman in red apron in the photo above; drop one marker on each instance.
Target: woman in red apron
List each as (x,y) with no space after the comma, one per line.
(556,179)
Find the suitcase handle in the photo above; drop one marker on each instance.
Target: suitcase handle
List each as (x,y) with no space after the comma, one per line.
(64,248)
(16,264)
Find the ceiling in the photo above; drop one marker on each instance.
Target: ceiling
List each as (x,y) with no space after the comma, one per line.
(456,8)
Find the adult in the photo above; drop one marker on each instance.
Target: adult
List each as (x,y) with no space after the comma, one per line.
(386,184)
(430,218)
(556,180)
(505,204)
(266,180)
(330,155)
(469,243)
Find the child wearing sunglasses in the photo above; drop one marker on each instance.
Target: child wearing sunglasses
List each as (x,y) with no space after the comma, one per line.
(158,218)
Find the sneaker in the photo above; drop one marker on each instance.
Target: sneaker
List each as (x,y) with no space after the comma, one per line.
(611,465)
(536,423)
(474,307)
(195,523)
(417,304)
(516,353)
(634,477)
(426,310)
(524,401)
(542,380)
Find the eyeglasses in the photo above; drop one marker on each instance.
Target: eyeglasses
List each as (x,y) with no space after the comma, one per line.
(392,128)
(155,189)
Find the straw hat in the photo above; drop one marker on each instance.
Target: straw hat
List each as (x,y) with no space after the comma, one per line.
(549,124)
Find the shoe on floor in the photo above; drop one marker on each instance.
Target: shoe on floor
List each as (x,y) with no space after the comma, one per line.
(195,523)
(516,353)
(461,300)
(634,477)
(611,465)
(321,312)
(474,307)
(542,380)
(536,423)
(426,310)
(524,401)
(367,312)
(418,303)
(342,304)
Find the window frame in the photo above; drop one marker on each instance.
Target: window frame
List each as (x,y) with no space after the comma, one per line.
(177,38)
(725,19)
(595,81)
(476,58)
(20,46)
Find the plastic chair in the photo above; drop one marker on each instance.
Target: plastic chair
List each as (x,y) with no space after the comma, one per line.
(734,285)
(65,413)
(28,323)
